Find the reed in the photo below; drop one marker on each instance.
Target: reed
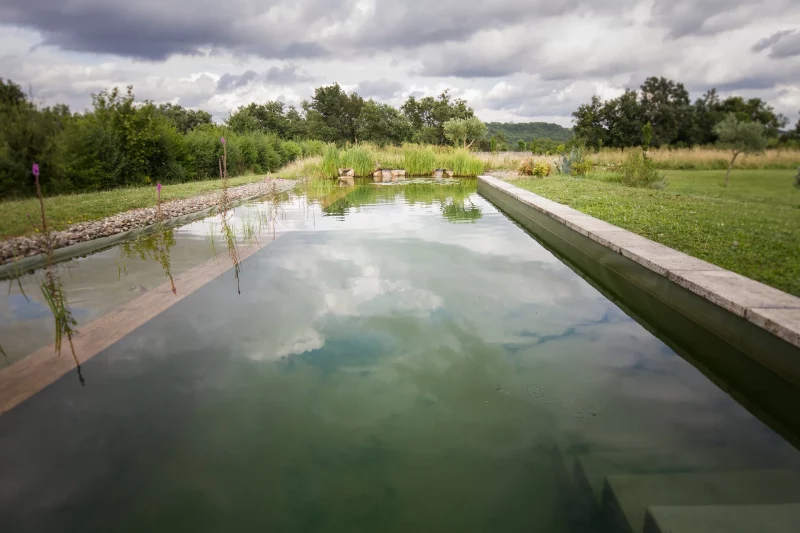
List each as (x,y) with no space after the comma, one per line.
(331,162)
(360,159)
(53,289)
(418,161)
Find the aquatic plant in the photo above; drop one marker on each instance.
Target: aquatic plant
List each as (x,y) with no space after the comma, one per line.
(155,247)
(419,161)
(158,200)
(227,231)
(331,162)
(359,159)
(53,289)
(463,163)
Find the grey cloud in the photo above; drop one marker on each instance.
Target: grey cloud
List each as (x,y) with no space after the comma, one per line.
(382,89)
(419,22)
(155,30)
(283,75)
(286,75)
(684,18)
(228,82)
(781,44)
(468,66)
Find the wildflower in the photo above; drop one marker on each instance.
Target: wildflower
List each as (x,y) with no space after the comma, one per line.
(35,170)
(222,140)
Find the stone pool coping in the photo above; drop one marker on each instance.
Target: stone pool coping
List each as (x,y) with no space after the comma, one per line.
(766,307)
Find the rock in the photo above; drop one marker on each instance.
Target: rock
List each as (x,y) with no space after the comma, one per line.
(137,218)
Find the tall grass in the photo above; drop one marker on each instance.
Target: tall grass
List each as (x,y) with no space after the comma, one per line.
(416,160)
(419,161)
(463,163)
(331,162)
(359,159)
(702,158)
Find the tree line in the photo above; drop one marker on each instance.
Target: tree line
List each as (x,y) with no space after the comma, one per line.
(675,120)
(122,142)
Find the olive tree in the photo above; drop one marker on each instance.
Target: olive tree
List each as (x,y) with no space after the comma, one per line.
(462,130)
(740,137)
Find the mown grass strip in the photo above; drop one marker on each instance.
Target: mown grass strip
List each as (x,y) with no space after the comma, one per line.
(752,229)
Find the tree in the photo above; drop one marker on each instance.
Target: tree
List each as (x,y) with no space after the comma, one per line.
(647,137)
(588,119)
(665,104)
(740,137)
(331,114)
(622,120)
(382,124)
(242,120)
(461,130)
(184,119)
(428,115)
(269,117)
(29,133)
(754,110)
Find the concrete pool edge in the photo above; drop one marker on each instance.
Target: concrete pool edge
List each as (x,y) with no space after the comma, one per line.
(716,291)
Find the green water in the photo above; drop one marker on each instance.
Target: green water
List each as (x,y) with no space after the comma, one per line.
(399,359)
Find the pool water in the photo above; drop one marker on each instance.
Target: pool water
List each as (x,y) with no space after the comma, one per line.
(396,358)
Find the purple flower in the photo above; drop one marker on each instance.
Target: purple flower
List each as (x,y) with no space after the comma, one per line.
(35,170)
(158,187)
(222,140)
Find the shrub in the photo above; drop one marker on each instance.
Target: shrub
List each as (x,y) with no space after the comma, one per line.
(312,148)
(526,167)
(582,168)
(541,169)
(639,171)
(290,151)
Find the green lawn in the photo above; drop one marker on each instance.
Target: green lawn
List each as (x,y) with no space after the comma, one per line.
(751,227)
(64,210)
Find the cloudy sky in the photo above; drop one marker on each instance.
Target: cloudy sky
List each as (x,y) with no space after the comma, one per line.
(516,60)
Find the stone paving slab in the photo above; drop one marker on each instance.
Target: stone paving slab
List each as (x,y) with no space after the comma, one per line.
(768,308)
(783,518)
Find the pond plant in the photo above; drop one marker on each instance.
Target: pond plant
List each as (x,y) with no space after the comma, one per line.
(227,231)
(53,289)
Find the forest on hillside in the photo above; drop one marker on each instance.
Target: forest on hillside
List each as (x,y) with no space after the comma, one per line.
(529,131)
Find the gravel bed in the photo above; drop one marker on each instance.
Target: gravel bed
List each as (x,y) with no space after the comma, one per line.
(19,247)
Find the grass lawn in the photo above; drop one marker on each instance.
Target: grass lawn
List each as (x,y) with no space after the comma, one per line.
(64,210)
(751,227)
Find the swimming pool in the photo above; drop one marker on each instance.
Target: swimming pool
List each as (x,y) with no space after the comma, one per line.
(390,358)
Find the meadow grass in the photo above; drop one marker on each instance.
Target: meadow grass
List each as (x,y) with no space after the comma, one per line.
(68,209)
(703,158)
(751,227)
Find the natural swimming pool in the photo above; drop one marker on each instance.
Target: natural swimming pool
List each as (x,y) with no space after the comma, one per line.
(391,358)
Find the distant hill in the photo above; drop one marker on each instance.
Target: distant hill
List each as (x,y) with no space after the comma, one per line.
(529,131)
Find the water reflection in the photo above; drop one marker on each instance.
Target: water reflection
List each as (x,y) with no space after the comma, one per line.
(382,369)
(155,247)
(451,196)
